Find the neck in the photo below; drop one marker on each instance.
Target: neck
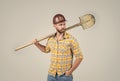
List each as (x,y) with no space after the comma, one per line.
(59,35)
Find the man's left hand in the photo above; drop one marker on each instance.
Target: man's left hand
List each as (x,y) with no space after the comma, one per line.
(68,73)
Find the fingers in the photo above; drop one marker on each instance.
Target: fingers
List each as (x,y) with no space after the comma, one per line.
(35,41)
(68,73)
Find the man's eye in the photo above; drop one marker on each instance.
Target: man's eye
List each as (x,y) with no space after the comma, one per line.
(60,24)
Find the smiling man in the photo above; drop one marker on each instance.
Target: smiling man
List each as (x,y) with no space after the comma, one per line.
(62,47)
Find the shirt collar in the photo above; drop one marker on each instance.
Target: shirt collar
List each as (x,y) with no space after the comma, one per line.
(66,35)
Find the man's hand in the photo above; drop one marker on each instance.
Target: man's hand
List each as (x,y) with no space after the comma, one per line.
(35,41)
(40,46)
(67,73)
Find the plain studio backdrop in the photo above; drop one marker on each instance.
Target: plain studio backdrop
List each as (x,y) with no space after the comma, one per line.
(23,20)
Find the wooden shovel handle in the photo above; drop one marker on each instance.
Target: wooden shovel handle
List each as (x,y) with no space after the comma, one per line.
(40,39)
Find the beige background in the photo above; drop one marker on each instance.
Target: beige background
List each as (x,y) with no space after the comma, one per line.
(23,20)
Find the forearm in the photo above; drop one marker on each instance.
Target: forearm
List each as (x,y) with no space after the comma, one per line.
(76,64)
(40,47)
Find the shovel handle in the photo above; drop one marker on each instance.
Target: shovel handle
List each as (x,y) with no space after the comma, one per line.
(30,43)
(40,39)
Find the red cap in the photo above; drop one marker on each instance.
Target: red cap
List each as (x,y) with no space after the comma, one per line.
(58,18)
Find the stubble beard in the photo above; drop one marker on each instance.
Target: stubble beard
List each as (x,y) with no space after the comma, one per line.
(61,31)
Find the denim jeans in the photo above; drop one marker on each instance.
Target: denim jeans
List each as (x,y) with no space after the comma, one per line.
(60,78)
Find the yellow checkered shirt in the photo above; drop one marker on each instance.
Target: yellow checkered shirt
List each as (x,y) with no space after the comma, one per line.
(62,53)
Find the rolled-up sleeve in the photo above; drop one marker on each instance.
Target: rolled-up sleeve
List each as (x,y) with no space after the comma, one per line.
(76,49)
(47,48)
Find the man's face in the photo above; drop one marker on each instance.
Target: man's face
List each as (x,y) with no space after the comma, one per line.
(60,27)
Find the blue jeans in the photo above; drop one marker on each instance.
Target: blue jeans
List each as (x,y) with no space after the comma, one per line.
(60,78)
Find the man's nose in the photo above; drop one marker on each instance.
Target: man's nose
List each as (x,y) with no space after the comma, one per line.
(63,26)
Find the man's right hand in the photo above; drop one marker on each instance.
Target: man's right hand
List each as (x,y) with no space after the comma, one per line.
(35,41)
(41,47)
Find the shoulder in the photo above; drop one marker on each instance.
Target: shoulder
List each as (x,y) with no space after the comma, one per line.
(71,37)
(50,38)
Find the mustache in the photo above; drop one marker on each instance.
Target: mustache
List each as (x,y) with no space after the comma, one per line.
(63,29)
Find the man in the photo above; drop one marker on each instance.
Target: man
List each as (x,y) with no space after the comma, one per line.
(63,47)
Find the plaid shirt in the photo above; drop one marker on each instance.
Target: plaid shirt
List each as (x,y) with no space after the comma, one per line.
(62,52)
